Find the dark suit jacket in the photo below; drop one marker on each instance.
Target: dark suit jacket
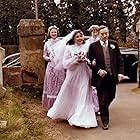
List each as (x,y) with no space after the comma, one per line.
(116,60)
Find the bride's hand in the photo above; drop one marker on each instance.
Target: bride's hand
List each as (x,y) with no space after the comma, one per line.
(49,59)
(76,59)
(81,57)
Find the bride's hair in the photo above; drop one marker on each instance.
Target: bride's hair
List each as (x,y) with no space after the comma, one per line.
(71,41)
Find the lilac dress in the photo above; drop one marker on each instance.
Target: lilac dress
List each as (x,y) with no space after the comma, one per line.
(89,41)
(77,101)
(53,78)
(92,40)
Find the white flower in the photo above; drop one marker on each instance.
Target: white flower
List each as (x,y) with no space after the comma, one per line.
(112,46)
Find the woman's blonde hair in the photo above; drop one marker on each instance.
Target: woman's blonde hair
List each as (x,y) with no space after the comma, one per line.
(50,28)
(92,27)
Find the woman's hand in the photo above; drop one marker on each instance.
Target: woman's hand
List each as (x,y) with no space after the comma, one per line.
(76,59)
(50,59)
(81,57)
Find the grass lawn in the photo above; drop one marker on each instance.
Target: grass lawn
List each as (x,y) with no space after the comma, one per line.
(136,90)
(26,119)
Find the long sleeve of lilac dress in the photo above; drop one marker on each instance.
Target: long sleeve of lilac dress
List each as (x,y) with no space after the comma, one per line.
(46,55)
(69,62)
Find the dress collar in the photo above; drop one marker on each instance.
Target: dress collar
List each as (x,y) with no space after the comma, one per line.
(54,40)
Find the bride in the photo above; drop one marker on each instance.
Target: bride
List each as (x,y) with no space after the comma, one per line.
(77,101)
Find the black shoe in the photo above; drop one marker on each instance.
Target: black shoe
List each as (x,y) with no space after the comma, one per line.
(105,126)
(97,113)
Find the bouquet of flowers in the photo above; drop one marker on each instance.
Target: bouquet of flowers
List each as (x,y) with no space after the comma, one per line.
(81,56)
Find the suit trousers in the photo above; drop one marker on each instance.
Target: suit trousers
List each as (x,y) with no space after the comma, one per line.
(106,93)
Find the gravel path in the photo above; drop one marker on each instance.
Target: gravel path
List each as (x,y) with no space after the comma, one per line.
(124,119)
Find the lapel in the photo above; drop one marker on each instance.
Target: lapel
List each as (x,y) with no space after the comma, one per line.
(100,53)
(110,50)
(100,50)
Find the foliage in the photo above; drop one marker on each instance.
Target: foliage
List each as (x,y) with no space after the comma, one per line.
(118,15)
(136,16)
(11,13)
(48,12)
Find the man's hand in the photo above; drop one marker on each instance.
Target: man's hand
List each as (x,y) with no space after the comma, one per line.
(102,73)
(120,77)
(94,62)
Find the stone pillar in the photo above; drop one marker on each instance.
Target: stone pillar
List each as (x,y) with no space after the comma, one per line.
(138,30)
(2,55)
(31,36)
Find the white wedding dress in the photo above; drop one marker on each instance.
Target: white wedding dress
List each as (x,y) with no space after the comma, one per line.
(77,101)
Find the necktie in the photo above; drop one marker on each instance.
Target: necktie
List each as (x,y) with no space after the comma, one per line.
(107,58)
(105,49)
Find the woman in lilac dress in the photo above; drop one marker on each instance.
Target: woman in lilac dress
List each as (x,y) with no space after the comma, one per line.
(77,101)
(53,77)
(94,34)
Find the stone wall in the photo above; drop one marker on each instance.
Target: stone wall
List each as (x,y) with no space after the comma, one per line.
(31,36)
(10,49)
(12,76)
